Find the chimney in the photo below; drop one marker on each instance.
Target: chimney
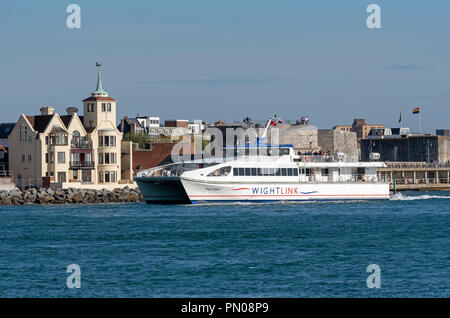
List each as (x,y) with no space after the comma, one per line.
(122,124)
(47,110)
(71,110)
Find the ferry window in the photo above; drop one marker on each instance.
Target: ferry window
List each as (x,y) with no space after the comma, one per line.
(247,171)
(324,172)
(271,171)
(284,151)
(241,172)
(278,172)
(283,172)
(253,172)
(290,172)
(308,171)
(235,171)
(274,152)
(295,172)
(221,172)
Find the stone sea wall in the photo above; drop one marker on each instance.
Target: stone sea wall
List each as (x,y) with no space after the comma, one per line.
(66,196)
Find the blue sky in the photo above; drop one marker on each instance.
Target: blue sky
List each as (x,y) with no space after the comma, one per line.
(229,59)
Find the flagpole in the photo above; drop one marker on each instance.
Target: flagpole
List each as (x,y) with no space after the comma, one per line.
(420,123)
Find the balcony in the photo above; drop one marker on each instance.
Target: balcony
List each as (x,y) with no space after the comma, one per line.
(82,165)
(81,144)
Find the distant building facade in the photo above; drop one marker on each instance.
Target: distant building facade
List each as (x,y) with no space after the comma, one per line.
(360,127)
(131,125)
(332,141)
(5,130)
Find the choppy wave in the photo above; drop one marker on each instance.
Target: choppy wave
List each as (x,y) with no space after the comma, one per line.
(401,197)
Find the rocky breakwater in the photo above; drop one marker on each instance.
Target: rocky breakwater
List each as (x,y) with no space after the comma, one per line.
(66,196)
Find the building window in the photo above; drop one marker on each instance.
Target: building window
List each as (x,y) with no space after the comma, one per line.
(100,158)
(106,158)
(113,176)
(106,176)
(61,157)
(23,158)
(29,139)
(113,157)
(75,174)
(109,107)
(86,176)
(46,140)
(52,157)
(100,141)
(2,154)
(29,157)
(61,177)
(100,176)
(23,133)
(112,141)
(103,107)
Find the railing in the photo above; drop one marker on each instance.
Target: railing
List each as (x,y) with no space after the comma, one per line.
(420,165)
(6,173)
(81,145)
(406,180)
(82,164)
(339,179)
(168,171)
(326,158)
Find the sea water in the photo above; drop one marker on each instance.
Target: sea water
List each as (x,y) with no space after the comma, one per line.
(306,249)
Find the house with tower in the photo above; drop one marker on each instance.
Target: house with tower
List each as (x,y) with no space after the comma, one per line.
(71,150)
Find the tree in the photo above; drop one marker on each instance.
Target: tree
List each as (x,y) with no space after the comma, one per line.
(140,139)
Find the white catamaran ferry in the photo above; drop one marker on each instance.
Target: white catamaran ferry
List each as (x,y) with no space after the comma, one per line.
(263,172)
(285,178)
(271,174)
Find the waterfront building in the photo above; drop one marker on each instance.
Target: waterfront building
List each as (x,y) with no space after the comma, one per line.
(408,148)
(69,150)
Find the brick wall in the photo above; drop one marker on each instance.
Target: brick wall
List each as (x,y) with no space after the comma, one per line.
(149,158)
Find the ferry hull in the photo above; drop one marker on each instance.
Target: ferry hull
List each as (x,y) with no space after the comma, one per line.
(162,190)
(198,191)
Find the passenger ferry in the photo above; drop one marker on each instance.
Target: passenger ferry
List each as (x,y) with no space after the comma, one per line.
(286,177)
(263,174)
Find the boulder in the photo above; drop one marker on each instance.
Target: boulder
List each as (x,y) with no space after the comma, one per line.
(77,198)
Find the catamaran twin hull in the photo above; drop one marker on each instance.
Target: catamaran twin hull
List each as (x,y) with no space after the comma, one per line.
(162,190)
(199,191)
